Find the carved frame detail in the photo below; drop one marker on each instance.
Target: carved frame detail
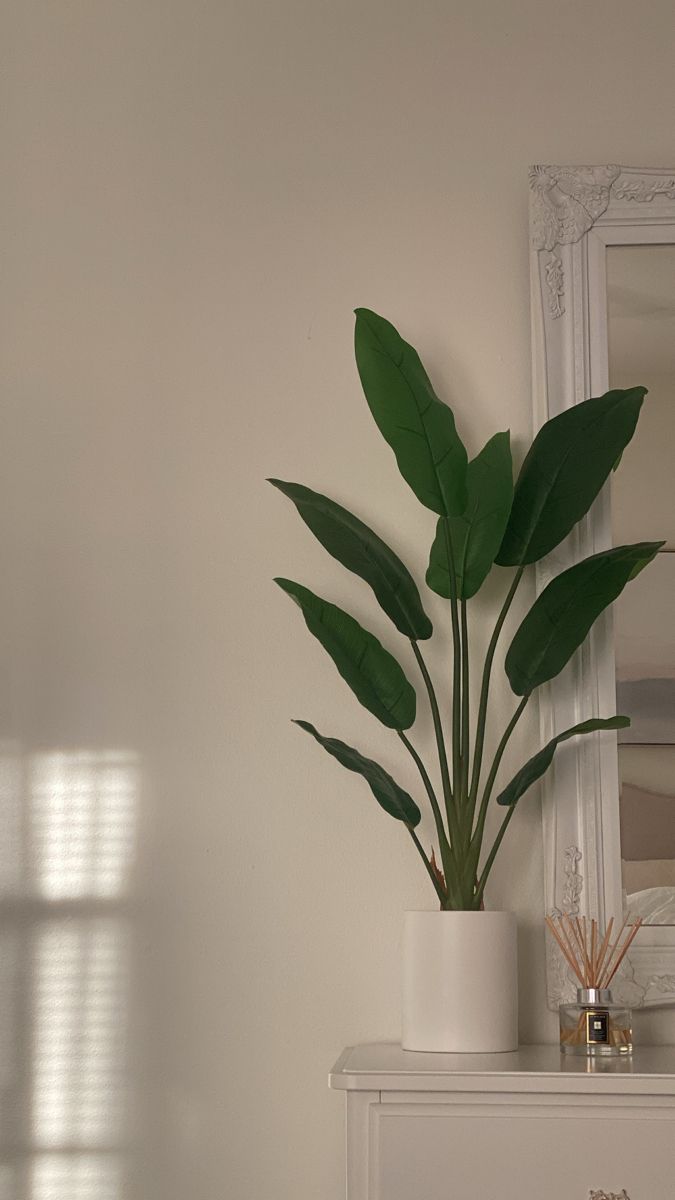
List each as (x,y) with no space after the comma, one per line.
(566,202)
(576,213)
(561,983)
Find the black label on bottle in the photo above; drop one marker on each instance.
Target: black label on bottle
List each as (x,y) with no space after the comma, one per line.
(597,1027)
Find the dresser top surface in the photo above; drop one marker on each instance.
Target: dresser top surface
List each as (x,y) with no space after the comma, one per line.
(384,1066)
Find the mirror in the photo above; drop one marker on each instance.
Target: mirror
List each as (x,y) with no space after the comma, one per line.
(641,349)
(603,314)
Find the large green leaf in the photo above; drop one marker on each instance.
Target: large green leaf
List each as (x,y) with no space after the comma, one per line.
(417,425)
(360,550)
(564,470)
(386,791)
(372,673)
(539,763)
(477,535)
(562,615)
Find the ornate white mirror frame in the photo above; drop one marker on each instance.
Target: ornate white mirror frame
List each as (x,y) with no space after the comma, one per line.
(576,213)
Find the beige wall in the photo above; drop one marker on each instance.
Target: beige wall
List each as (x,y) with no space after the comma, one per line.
(195,196)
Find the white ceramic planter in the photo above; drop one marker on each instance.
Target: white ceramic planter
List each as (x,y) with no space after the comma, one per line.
(460,982)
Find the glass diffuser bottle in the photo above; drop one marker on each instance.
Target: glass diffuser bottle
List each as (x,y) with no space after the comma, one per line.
(595,1026)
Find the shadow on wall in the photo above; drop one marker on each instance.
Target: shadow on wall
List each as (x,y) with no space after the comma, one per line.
(67,834)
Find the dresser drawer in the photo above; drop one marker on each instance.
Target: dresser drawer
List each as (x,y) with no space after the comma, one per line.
(530,1151)
(527,1125)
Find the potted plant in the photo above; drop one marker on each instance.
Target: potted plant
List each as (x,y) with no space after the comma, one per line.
(460,981)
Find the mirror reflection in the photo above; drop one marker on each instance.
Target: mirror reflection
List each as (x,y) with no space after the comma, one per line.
(641,333)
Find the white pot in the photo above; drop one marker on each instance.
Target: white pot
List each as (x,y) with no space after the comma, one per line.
(460,982)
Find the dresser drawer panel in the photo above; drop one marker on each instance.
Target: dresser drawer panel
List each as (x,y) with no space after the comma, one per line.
(432,1152)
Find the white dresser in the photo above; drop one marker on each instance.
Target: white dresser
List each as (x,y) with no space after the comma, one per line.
(524,1126)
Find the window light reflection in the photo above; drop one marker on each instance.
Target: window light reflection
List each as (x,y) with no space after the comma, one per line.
(75,1177)
(83,812)
(79,1040)
(68,828)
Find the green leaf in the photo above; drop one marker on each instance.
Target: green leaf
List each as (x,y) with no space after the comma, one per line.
(562,615)
(477,535)
(417,425)
(386,791)
(535,768)
(360,550)
(567,464)
(372,673)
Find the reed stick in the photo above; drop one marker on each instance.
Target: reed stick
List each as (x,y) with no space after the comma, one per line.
(603,948)
(582,933)
(567,954)
(592,956)
(571,936)
(624,951)
(614,954)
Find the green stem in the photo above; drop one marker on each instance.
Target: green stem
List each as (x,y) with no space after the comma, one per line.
(456,664)
(437,887)
(428,784)
(481,720)
(465,704)
(477,839)
(440,742)
(443,844)
(492,855)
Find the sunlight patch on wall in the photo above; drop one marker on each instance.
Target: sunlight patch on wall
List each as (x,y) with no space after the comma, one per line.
(81,981)
(75,1177)
(82,823)
(67,924)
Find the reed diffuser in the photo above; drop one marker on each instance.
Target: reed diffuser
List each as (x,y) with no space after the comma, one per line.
(595,1025)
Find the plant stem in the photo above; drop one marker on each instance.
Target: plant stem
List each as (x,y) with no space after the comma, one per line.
(465,707)
(456,666)
(481,721)
(437,887)
(477,839)
(440,742)
(499,754)
(444,845)
(492,855)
